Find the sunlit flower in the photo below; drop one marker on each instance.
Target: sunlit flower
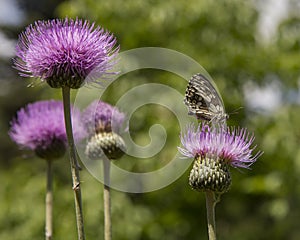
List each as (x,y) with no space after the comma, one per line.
(65,52)
(214,150)
(104,123)
(40,127)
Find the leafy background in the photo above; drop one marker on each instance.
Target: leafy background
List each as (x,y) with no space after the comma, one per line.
(255,69)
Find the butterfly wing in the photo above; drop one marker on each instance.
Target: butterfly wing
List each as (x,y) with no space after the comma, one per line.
(196,103)
(203,100)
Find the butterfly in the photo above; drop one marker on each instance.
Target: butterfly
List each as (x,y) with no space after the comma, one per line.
(203,100)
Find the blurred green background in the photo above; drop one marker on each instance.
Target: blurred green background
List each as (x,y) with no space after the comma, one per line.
(251,50)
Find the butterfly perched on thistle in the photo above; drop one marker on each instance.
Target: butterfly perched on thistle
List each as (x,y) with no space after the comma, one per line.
(203,100)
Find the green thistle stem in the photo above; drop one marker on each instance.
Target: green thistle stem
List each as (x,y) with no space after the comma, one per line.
(49,202)
(210,208)
(74,163)
(107,202)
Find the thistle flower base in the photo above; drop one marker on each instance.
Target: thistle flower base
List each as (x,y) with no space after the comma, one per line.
(209,174)
(61,81)
(53,151)
(109,144)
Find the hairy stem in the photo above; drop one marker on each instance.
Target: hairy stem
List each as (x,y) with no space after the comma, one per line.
(210,208)
(49,202)
(106,198)
(74,163)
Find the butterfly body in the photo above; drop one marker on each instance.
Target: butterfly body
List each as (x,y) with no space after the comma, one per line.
(203,100)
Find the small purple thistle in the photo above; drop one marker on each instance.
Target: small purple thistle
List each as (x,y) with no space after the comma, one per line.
(104,123)
(40,127)
(65,52)
(233,146)
(102,117)
(214,150)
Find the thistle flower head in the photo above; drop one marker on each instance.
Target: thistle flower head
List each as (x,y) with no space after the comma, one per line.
(102,117)
(65,52)
(40,127)
(214,150)
(104,123)
(231,145)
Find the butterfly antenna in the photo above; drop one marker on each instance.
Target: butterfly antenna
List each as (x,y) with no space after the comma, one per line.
(236,111)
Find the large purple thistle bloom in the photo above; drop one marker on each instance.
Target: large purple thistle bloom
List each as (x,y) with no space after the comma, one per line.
(102,117)
(40,126)
(65,52)
(233,146)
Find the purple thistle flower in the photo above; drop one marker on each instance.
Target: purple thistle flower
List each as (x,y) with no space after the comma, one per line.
(214,150)
(233,146)
(102,117)
(40,127)
(104,123)
(65,52)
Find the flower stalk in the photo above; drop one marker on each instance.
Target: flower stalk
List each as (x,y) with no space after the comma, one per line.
(74,163)
(210,210)
(49,202)
(106,200)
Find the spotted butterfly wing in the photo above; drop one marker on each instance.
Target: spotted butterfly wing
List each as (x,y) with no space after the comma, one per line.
(203,100)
